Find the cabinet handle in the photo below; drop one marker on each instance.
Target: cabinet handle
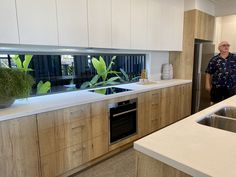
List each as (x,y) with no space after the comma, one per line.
(80,126)
(125,112)
(76,150)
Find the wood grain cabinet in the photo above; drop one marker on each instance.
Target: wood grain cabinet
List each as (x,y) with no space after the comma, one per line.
(19,153)
(162,107)
(149,105)
(71,137)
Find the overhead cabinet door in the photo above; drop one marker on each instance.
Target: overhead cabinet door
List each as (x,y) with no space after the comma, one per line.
(99,20)
(72,23)
(37,20)
(165,25)
(139,24)
(121,24)
(8,20)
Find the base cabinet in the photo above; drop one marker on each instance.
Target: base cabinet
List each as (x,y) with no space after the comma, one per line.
(71,137)
(149,167)
(160,108)
(19,153)
(60,142)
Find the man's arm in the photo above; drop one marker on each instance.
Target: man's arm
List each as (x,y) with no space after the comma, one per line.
(208,82)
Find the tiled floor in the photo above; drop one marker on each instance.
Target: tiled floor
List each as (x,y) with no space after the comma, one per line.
(120,165)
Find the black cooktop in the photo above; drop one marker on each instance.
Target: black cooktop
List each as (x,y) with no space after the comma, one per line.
(110,90)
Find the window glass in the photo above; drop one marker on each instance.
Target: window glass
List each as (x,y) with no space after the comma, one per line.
(74,72)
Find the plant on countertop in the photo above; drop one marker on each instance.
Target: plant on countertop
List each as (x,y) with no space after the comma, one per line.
(102,73)
(14,84)
(42,88)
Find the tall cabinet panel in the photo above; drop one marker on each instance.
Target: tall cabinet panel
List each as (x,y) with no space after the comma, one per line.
(139,24)
(37,20)
(99,20)
(8,21)
(72,23)
(121,20)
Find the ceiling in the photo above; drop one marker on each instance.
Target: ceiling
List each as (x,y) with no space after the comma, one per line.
(225,7)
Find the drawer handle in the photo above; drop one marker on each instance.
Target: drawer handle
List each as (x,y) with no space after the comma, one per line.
(81,126)
(76,150)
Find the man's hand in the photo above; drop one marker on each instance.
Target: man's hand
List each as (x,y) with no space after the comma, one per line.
(208,82)
(208,87)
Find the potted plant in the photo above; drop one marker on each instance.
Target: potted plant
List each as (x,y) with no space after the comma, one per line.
(14,84)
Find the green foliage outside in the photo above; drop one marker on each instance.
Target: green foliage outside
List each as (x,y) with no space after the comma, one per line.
(42,88)
(103,71)
(14,84)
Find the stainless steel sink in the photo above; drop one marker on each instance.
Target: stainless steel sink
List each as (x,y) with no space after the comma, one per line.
(223,123)
(224,119)
(227,112)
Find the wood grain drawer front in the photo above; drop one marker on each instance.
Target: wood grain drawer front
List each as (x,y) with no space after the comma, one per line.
(99,146)
(63,116)
(57,163)
(19,153)
(57,138)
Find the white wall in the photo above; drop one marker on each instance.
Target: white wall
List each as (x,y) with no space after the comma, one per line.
(206,6)
(226,31)
(154,61)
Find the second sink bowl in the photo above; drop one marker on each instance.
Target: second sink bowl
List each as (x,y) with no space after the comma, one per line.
(224,119)
(223,123)
(227,112)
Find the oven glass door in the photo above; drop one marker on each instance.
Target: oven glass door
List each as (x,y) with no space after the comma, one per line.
(122,125)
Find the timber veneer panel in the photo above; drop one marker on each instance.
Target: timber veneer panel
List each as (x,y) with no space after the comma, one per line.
(149,167)
(19,153)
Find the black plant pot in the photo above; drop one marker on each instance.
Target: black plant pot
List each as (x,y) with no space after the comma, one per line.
(7,103)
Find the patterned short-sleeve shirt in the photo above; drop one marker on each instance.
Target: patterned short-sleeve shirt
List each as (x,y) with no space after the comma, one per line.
(223,71)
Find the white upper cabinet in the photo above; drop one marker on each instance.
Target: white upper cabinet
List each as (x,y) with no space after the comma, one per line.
(165,25)
(8,20)
(99,20)
(72,23)
(37,20)
(139,24)
(121,24)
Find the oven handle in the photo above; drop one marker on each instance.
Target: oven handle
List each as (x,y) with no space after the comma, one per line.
(125,112)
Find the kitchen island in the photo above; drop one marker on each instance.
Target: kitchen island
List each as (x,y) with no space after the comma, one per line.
(188,148)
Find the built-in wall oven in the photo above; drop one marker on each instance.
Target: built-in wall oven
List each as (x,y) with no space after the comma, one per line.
(122,120)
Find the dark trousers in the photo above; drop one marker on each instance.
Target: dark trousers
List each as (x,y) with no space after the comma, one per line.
(221,93)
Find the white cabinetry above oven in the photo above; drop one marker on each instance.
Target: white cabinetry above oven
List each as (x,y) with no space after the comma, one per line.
(116,24)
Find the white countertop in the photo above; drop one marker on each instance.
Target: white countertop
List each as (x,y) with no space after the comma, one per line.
(35,105)
(195,149)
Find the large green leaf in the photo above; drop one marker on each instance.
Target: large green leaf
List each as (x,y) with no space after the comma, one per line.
(43,88)
(111,63)
(98,66)
(94,79)
(26,62)
(103,64)
(125,75)
(101,91)
(112,79)
(17,61)
(85,85)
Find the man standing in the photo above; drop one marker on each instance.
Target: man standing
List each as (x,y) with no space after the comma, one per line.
(221,74)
